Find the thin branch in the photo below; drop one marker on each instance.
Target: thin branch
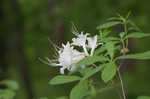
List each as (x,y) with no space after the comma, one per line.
(122,85)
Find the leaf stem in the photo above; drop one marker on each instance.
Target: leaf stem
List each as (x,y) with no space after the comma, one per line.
(126,32)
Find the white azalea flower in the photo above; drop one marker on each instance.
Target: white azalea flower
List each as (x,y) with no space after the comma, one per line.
(67,58)
(92,43)
(81,41)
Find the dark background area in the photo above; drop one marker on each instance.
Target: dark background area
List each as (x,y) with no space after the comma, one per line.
(26,25)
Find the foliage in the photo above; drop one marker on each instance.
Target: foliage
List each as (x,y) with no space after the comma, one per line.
(10,91)
(106,61)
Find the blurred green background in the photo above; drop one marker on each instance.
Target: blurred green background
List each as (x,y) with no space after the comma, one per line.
(26,25)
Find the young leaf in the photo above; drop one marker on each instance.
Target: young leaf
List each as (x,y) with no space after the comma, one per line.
(137,35)
(61,79)
(90,60)
(93,71)
(108,24)
(143,97)
(141,56)
(109,72)
(79,91)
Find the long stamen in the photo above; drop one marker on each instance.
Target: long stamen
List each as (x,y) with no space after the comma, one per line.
(85,50)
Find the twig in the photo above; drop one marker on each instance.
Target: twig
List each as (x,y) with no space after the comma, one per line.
(122,85)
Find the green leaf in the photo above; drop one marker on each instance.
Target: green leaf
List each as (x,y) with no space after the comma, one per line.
(61,79)
(133,26)
(85,70)
(141,56)
(99,50)
(143,97)
(11,84)
(92,72)
(91,60)
(93,90)
(137,35)
(62,97)
(108,24)
(114,19)
(107,39)
(109,72)
(80,90)
(43,98)
(7,94)
(110,47)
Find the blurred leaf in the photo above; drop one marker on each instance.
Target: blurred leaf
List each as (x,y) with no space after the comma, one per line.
(113,19)
(79,91)
(143,97)
(7,94)
(122,35)
(43,98)
(128,14)
(62,97)
(133,26)
(11,84)
(108,24)
(93,90)
(99,50)
(93,71)
(106,89)
(137,35)
(61,79)
(109,72)
(91,60)
(107,39)
(142,56)
(85,70)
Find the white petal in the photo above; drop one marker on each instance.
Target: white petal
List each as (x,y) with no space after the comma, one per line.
(73,68)
(62,70)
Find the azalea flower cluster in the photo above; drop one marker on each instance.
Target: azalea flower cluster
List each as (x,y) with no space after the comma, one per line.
(68,56)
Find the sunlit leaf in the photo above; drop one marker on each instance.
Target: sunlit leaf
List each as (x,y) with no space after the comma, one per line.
(141,56)
(109,72)
(61,79)
(80,90)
